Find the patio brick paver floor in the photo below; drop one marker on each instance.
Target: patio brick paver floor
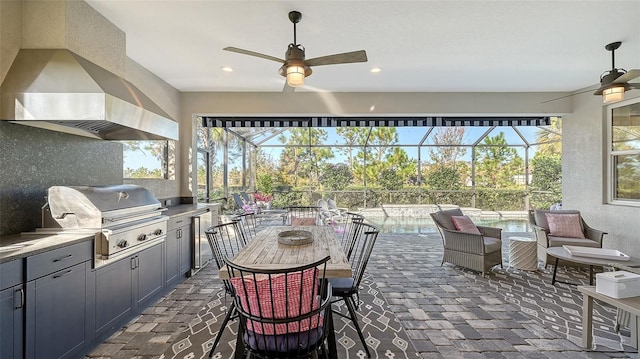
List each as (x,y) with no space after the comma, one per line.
(446,311)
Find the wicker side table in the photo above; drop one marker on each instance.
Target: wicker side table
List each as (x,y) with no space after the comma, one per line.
(523,253)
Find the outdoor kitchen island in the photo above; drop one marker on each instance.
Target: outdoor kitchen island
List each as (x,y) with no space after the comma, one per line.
(58,301)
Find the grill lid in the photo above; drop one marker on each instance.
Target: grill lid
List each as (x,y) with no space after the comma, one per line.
(92,207)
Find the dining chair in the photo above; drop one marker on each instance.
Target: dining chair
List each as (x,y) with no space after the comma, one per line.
(347,289)
(226,241)
(302,216)
(349,228)
(247,223)
(282,311)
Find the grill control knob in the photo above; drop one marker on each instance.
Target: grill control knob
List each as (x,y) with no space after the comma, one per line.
(142,237)
(123,244)
(158,231)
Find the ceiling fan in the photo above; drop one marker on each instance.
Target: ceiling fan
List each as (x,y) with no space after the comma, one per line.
(613,83)
(295,68)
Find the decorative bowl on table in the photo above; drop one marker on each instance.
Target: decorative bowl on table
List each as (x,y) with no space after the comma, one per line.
(295,237)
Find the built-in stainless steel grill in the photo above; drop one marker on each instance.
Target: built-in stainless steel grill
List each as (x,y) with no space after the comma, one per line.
(124,218)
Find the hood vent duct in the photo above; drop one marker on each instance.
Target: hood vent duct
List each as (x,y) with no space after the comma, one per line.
(61,91)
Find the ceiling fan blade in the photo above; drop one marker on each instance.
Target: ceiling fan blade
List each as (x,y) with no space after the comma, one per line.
(573,94)
(343,58)
(253,53)
(635,86)
(628,76)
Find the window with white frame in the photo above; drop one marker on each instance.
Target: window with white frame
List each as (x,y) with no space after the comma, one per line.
(624,154)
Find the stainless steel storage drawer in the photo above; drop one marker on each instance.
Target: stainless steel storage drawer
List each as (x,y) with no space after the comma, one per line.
(52,261)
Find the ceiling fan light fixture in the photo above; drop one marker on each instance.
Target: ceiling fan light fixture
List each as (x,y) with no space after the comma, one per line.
(295,75)
(613,94)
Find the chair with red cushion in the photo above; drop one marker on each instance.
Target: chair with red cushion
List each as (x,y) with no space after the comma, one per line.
(347,289)
(474,247)
(302,216)
(282,311)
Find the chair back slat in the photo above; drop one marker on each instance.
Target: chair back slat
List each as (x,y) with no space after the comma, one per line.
(365,236)
(302,215)
(282,310)
(350,231)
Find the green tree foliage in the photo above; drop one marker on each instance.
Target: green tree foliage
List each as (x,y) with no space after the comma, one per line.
(390,179)
(336,176)
(300,161)
(142,172)
(498,164)
(546,183)
(352,137)
(550,138)
(444,178)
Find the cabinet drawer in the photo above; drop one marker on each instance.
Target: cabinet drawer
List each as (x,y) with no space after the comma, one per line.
(177,222)
(10,274)
(45,263)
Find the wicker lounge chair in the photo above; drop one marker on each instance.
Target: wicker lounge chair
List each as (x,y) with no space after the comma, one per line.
(477,252)
(546,239)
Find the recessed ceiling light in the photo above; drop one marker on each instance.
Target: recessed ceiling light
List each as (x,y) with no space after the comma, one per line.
(375,70)
(227,69)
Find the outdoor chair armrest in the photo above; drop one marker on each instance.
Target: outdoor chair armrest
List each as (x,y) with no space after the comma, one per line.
(541,235)
(463,241)
(494,232)
(594,234)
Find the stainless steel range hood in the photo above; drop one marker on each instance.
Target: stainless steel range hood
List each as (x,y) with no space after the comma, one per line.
(59,90)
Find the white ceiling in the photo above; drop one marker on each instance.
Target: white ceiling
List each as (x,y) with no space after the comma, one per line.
(421,46)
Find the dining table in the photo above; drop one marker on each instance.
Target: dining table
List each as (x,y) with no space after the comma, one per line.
(264,251)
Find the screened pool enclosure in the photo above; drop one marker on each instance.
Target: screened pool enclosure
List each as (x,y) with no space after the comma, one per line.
(487,163)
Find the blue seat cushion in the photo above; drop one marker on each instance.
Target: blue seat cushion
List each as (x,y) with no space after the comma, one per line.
(284,343)
(341,286)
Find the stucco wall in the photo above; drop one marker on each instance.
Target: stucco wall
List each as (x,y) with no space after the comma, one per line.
(584,175)
(10,34)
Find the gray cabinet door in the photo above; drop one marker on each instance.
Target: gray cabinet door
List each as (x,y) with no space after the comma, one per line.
(185,244)
(114,295)
(148,276)
(57,313)
(11,314)
(172,256)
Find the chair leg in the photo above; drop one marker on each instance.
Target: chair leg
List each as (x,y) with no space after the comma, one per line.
(354,319)
(232,309)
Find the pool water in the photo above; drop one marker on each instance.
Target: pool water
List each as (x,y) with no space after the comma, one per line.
(408,225)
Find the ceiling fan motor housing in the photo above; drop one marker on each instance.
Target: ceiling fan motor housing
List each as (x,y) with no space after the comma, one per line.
(295,57)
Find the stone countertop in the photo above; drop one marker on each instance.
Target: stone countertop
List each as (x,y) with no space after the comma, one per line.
(186,209)
(30,243)
(27,244)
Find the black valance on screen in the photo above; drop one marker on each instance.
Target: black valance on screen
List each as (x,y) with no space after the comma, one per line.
(210,121)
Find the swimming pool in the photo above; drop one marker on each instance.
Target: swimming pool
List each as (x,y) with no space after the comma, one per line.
(408,225)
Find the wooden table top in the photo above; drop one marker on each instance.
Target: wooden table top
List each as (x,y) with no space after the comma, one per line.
(264,251)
